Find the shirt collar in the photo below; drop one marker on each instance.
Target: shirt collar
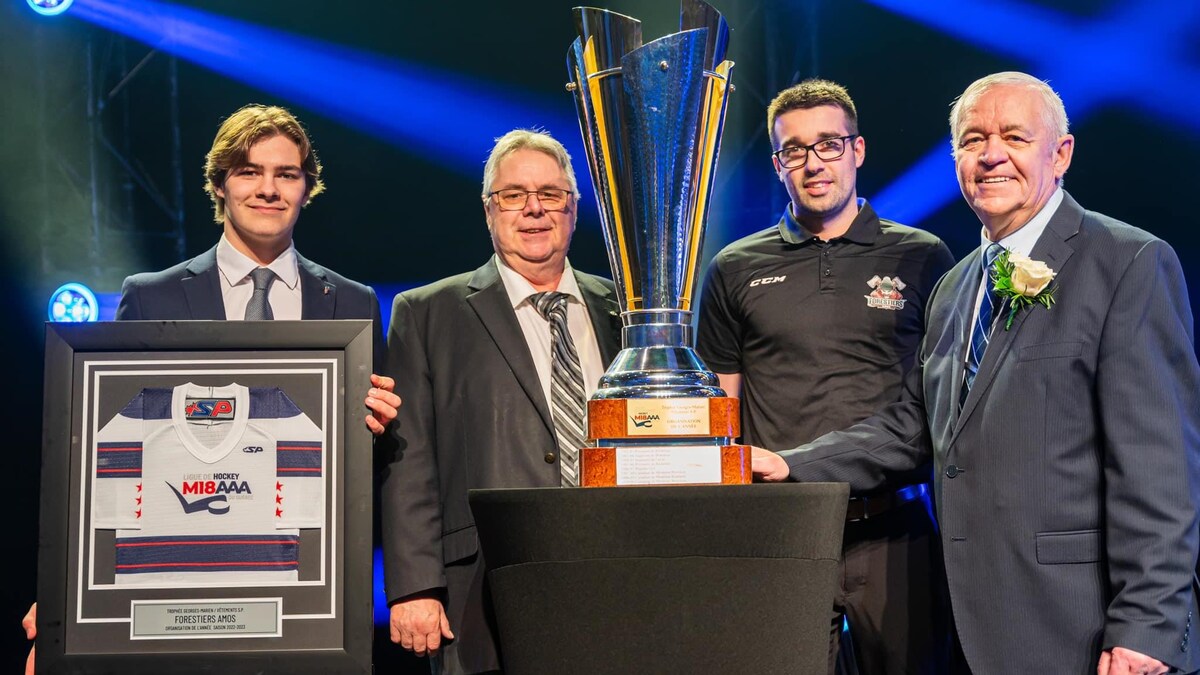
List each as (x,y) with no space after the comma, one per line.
(1027,235)
(519,289)
(236,266)
(863,229)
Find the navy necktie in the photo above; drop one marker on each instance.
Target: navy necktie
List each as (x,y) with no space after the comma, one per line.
(983,323)
(259,307)
(566,385)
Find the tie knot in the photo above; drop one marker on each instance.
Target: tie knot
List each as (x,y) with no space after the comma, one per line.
(550,303)
(262,278)
(990,254)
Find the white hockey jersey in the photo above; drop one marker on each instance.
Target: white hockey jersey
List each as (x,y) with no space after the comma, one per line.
(208,485)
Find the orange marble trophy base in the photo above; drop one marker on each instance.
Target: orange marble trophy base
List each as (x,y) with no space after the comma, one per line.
(598,467)
(664,441)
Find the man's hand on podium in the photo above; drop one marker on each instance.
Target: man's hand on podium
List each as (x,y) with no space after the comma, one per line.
(419,624)
(767,466)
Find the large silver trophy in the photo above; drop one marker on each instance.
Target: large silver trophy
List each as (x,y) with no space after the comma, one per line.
(651,117)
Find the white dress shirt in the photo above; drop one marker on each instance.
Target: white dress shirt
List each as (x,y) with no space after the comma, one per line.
(237,286)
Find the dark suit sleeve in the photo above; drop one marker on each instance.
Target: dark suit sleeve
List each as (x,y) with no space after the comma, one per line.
(1147,384)
(130,306)
(377,339)
(411,509)
(892,446)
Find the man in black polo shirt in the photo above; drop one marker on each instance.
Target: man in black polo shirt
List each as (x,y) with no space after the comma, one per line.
(813,323)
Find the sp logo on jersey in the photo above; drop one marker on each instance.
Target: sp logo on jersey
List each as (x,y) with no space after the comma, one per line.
(885,293)
(208,409)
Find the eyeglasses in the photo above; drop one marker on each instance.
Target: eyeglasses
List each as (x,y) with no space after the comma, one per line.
(512,199)
(829,149)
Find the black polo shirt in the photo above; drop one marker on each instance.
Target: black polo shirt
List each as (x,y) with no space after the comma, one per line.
(821,332)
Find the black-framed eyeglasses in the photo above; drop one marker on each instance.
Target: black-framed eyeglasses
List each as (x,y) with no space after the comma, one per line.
(512,199)
(827,149)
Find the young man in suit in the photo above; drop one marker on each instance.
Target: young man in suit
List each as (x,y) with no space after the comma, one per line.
(477,358)
(1065,435)
(260,171)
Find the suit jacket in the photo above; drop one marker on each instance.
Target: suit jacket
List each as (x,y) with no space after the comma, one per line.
(192,290)
(1067,487)
(474,416)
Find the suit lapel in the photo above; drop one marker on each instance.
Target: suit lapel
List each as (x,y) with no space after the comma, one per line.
(490,302)
(605,315)
(317,295)
(203,288)
(1051,248)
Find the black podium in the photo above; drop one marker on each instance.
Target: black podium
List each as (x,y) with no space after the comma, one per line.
(697,579)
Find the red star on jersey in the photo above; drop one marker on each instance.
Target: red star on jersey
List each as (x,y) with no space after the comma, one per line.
(278,499)
(139,487)
(278,512)
(139,501)
(139,513)
(278,486)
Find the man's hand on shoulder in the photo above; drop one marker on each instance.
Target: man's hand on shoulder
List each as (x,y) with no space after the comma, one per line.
(767,466)
(382,403)
(1121,661)
(419,624)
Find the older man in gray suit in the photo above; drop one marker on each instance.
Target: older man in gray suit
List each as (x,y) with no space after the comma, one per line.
(476,358)
(1058,394)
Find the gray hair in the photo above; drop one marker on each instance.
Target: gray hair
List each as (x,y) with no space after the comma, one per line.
(527,139)
(1054,115)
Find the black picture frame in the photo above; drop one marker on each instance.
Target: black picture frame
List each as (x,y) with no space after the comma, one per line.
(322,619)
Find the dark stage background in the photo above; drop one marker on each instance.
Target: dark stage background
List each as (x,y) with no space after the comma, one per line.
(402,99)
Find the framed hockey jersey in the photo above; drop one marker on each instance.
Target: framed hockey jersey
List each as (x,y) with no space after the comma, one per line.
(206,485)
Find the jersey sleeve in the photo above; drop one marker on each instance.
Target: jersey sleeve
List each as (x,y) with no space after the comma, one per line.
(300,464)
(117,472)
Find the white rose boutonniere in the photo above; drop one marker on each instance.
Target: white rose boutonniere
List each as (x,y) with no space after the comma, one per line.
(1023,282)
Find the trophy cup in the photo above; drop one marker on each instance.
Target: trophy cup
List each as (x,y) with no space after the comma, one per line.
(651,117)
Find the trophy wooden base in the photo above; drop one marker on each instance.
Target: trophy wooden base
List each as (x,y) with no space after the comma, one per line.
(610,466)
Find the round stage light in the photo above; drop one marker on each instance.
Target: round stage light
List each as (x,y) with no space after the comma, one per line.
(73,303)
(49,7)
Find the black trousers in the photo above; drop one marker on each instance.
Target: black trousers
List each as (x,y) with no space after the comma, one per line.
(893,595)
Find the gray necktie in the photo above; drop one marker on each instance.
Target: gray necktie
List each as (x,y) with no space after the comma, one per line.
(259,307)
(566,385)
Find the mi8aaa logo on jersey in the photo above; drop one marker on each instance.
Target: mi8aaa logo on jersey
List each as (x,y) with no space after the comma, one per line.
(209,409)
(217,504)
(885,293)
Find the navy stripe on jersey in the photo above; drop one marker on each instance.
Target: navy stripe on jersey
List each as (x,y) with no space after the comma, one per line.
(211,553)
(119,459)
(271,403)
(298,458)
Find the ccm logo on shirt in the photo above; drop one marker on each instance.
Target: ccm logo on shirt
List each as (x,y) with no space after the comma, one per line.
(767,280)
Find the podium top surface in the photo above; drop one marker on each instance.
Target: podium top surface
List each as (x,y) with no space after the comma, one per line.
(790,520)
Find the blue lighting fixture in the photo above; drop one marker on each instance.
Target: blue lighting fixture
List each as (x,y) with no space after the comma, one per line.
(1154,69)
(49,7)
(73,303)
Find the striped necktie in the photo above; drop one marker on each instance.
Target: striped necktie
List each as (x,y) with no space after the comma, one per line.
(259,307)
(983,323)
(566,385)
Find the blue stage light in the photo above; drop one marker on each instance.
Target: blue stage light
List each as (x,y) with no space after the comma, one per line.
(451,119)
(1152,69)
(49,7)
(73,303)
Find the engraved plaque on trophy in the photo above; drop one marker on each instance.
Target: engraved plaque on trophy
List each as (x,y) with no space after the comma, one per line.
(651,117)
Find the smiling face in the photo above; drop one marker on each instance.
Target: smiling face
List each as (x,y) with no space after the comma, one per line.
(1008,158)
(824,193)
(531,240)
(263,198)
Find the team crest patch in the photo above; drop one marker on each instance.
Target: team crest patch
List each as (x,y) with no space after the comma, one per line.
(885,293)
